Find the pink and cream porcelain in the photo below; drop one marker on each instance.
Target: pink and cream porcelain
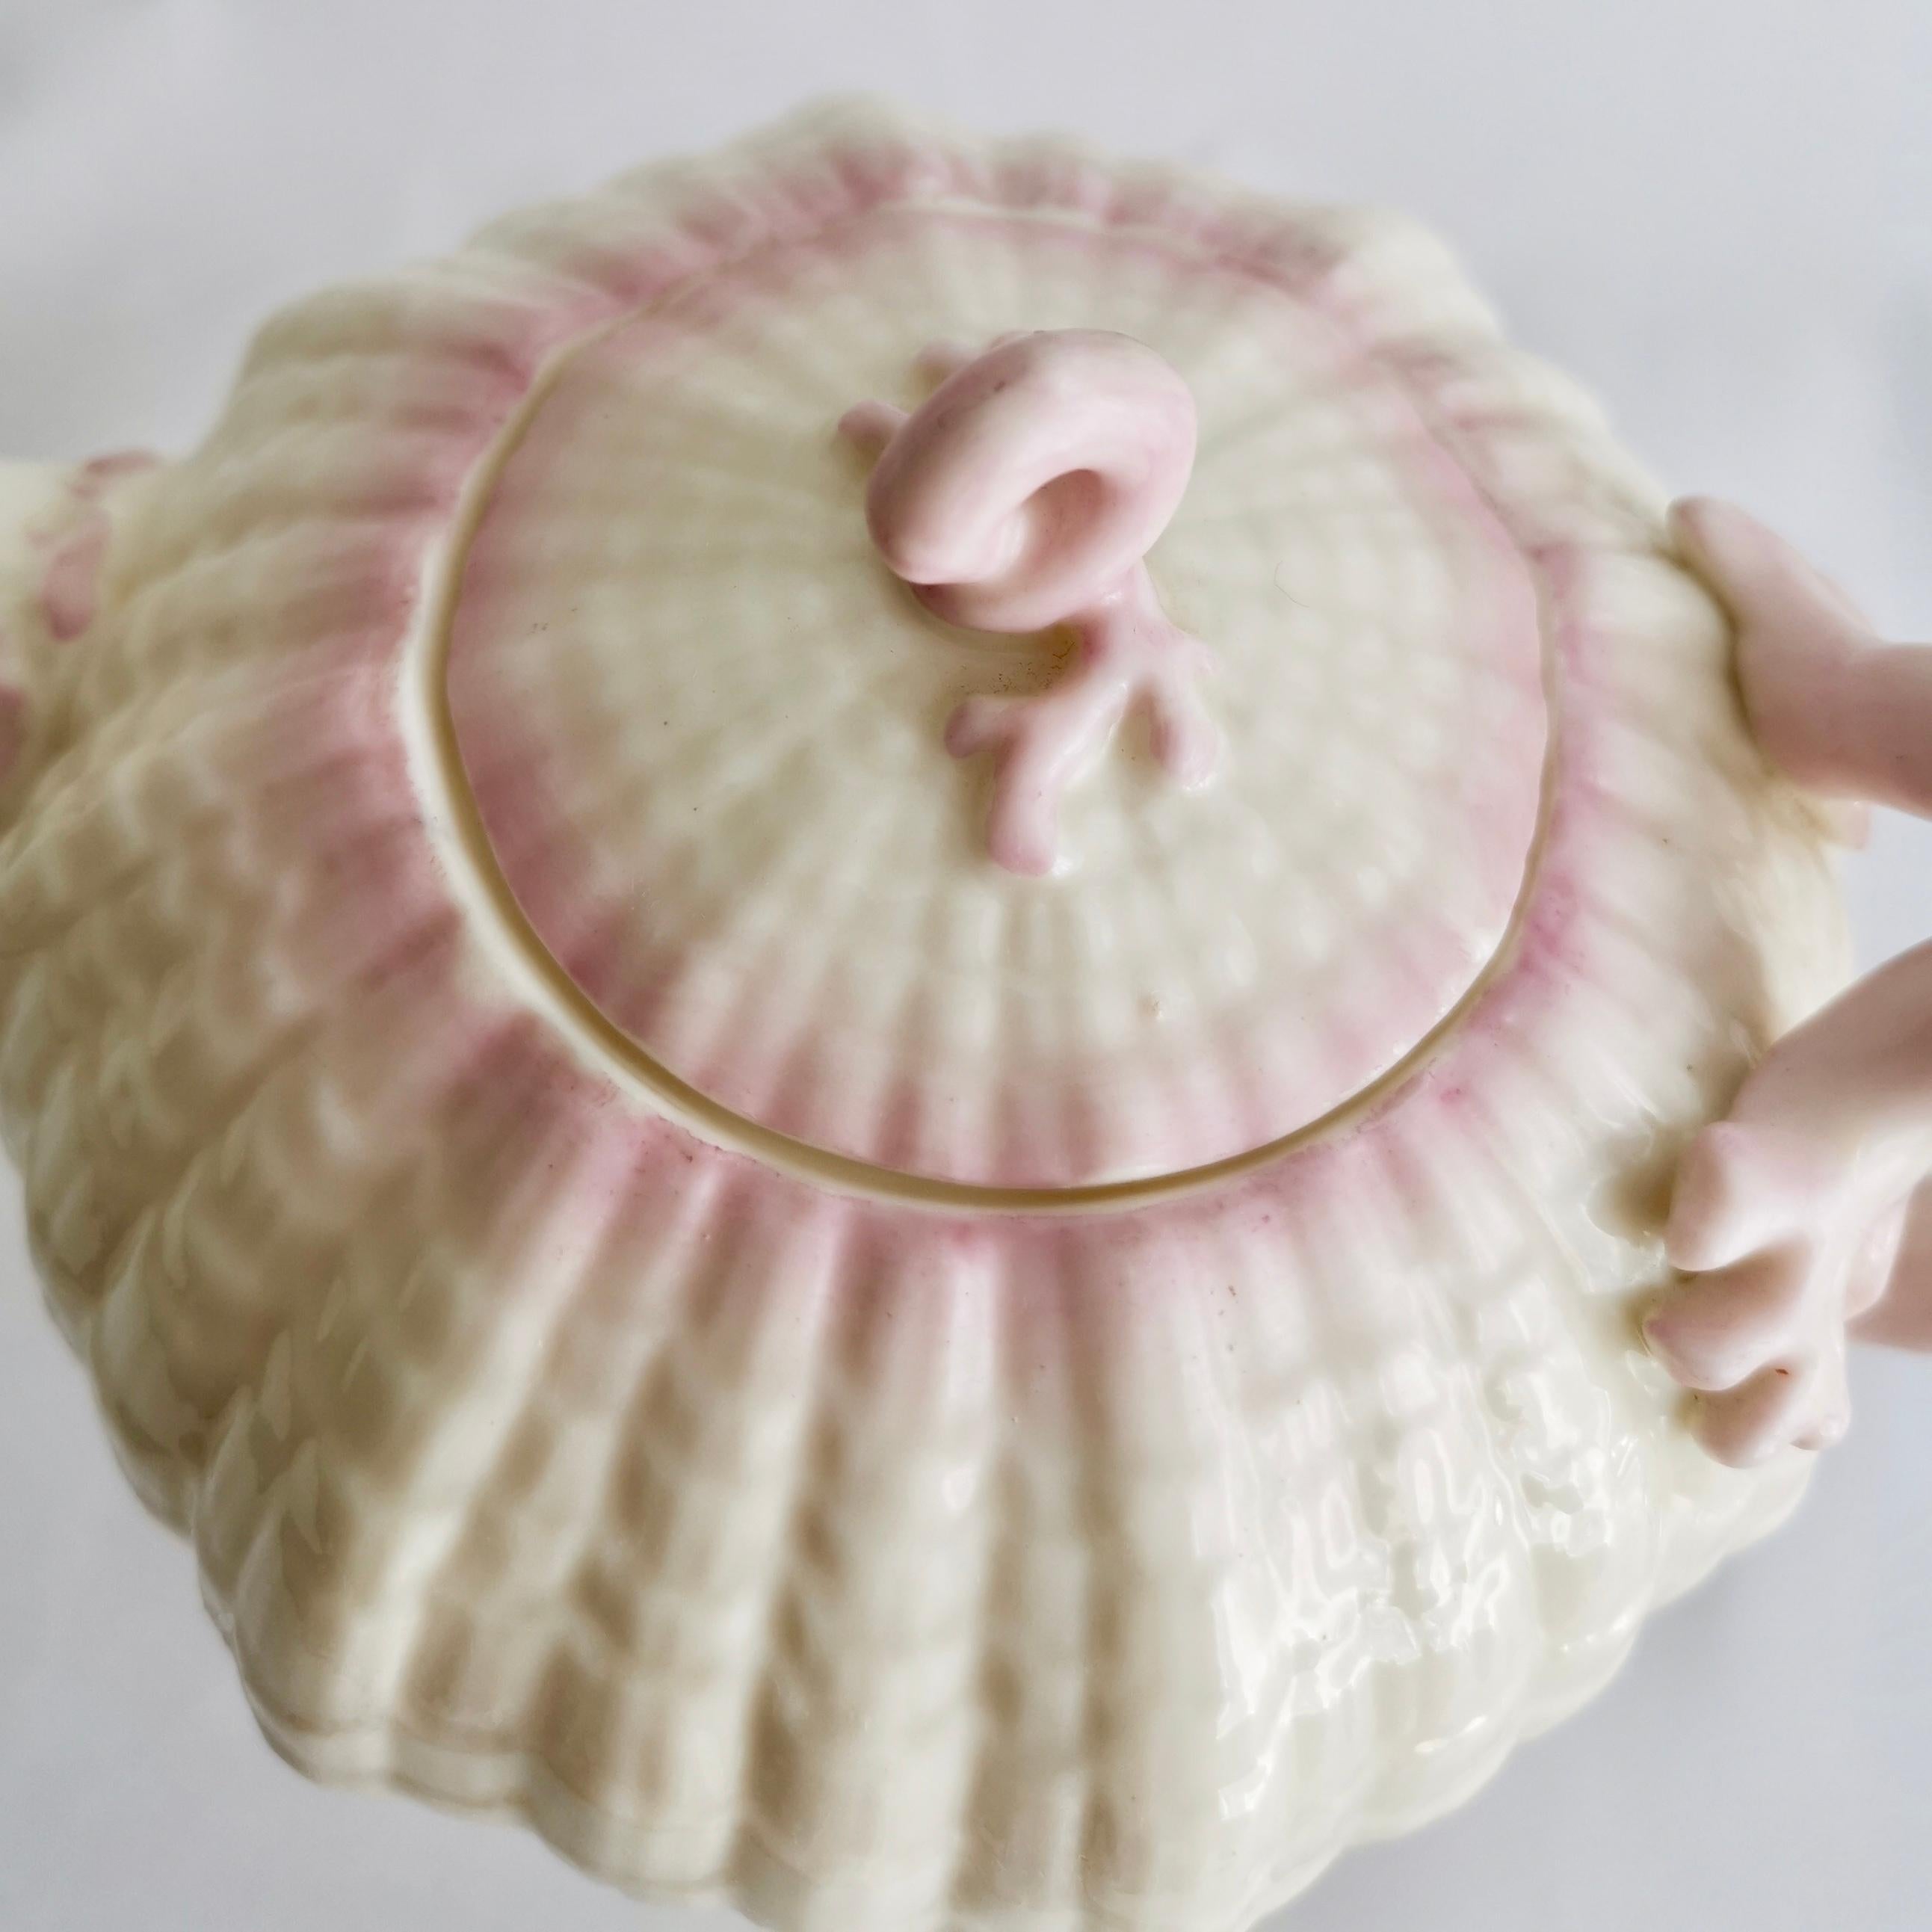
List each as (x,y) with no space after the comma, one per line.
(1807,1207)
(922,1260)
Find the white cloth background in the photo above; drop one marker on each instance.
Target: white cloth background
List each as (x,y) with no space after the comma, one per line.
(1713,210)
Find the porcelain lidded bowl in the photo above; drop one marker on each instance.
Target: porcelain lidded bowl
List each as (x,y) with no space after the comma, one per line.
(713,1259)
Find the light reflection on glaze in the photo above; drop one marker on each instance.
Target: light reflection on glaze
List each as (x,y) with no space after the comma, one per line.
(953,1114)
(849,1557)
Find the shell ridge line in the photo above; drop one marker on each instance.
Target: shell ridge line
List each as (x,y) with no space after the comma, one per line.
(754,1835)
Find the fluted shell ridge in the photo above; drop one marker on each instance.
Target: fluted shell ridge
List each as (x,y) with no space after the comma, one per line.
(874,1558)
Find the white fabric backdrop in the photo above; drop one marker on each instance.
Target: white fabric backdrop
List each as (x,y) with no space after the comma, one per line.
(1717,211)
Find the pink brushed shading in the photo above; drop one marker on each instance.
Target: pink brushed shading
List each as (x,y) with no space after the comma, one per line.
(70,579)
(443,1308)
(1024,494)
(97,471)
(1788,1214)
(77,548)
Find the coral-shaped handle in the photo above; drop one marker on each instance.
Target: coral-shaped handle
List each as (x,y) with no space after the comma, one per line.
(1808,1207)
(1025,493)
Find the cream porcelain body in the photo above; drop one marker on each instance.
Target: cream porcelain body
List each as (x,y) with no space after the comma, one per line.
(678,1299)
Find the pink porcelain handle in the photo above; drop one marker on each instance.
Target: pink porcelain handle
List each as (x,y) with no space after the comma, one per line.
(1025,493)
(1807,1207)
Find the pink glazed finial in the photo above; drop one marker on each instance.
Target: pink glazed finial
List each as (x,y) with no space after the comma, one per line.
(1025,493)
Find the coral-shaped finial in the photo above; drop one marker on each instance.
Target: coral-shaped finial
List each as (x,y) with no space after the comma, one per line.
(1025,494)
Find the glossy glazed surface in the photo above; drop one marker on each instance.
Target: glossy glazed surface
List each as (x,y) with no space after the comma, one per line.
(874,1555)
(1803,1211)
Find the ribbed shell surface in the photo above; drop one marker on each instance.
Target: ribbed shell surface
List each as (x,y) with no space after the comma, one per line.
(884,1555)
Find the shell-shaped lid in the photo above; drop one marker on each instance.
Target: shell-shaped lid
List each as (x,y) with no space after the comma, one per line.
(700,728)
